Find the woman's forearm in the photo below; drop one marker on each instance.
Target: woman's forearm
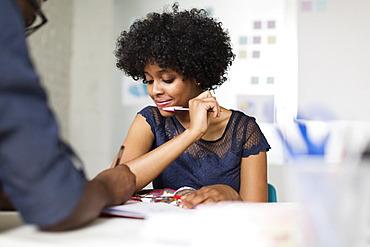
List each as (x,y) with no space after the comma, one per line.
(148,166)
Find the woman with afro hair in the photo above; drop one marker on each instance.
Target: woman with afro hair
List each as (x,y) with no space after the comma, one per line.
(221,153)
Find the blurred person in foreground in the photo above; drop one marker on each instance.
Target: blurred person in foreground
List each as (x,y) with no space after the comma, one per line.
(39,174)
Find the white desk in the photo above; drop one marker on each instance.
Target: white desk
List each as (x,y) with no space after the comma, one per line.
(234,224)
(102,232)
(196,228)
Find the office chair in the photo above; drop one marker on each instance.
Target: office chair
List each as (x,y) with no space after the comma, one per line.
(271,193)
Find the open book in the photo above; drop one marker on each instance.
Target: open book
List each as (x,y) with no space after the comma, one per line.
(147,202)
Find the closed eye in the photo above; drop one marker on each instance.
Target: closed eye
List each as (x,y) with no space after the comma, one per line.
(148,81)
(151,81)
(168,81)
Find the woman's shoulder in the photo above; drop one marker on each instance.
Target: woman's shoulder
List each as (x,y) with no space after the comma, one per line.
(152,115)
(240,118)
(149,110)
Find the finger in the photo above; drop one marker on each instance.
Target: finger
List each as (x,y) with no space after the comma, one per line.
(205,94)
(188,204)
(191,200)
(202,195)
(216,110)
(212,105)
(215,106)
(211,199)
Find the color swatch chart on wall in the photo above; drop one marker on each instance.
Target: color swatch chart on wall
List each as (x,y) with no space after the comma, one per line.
(264,42)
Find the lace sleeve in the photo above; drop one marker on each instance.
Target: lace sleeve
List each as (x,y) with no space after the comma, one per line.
(255,141)
(152,116)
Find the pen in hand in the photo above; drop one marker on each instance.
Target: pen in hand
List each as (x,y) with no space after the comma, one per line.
(178,108)
(120,152)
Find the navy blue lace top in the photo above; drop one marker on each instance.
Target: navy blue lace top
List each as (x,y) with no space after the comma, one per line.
(206,162)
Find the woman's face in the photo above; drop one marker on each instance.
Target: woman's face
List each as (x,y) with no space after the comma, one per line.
(167,88)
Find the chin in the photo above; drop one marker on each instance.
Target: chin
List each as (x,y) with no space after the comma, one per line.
(167,113)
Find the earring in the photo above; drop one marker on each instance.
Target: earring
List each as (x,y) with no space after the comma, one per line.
(198,83)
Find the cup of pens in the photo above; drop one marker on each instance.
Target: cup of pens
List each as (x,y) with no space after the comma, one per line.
(334,204)
(325,177)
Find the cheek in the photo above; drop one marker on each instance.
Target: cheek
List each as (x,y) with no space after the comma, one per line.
(149,89)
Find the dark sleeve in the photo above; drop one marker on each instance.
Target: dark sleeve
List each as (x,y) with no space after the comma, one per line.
(152,116)
(36,172)
(256,141)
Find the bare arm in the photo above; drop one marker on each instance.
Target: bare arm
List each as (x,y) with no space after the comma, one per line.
(253,178)
(148,165)
(110,187)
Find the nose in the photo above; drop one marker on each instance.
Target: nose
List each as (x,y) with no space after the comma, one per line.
(155,88)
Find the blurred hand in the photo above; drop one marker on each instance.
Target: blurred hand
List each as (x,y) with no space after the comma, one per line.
(120,182)
(5,202)
(110,187)
(207,194)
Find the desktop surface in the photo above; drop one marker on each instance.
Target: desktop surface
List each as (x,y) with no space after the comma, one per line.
(231,223)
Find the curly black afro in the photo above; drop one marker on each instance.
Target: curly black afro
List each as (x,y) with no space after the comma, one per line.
(188,42)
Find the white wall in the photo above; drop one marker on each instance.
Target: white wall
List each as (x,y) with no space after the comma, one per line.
(334,58)
(51,52)
(73,53)
(92,84)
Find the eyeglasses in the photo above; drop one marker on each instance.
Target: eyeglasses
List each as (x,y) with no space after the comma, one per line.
(40,21)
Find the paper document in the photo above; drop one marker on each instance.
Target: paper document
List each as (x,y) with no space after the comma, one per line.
(142,210)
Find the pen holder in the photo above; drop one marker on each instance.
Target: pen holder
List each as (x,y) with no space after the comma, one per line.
(334,203)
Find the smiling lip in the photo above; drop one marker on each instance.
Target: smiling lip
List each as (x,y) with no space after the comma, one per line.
(162,103)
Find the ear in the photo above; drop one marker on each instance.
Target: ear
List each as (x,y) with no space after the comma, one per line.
(195,82)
